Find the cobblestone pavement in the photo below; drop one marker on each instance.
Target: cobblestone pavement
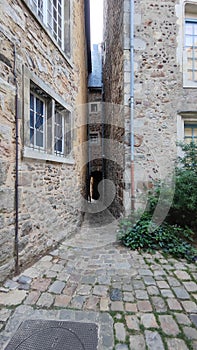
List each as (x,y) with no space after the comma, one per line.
(140,301)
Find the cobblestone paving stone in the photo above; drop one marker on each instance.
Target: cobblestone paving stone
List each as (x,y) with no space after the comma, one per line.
(140,301)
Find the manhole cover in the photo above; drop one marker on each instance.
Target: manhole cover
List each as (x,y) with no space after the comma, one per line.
(55,335)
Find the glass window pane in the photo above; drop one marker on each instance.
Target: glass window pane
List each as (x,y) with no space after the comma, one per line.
(32,119)
(39,122)
(188,131)
(195,75)
(188,28)
(32,136)
(39,106)
(31,101)
(189,53)
(189,41)
(189,64)
(190,75)
(39,138)
(188,140)
(195,131)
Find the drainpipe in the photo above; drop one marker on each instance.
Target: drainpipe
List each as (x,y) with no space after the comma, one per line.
(16,170)
(132,102)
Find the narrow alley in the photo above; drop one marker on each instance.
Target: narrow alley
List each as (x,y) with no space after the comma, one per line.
(138,301)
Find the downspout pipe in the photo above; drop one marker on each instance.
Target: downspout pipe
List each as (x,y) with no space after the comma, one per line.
(16,252)
(132,103)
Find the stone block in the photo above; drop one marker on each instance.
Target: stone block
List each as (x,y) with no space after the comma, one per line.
(7,199)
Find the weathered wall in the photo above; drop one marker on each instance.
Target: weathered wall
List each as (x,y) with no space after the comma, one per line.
(48,191)
(113,82)
(158,85)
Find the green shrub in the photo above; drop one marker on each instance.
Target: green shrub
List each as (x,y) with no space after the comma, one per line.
(184,207)
(146,235)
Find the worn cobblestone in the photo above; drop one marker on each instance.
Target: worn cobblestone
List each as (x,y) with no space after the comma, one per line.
(168,325)
(148,301)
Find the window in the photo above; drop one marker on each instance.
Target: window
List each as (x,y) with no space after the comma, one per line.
(94,138)
(37,7)
(47,125)
(37,121)
(190,45)
(94,107)
(191,49)
(55,19)
(55,15)
(190,132)
(58,133)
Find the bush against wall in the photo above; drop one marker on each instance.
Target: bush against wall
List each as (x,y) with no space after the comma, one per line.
(175,235)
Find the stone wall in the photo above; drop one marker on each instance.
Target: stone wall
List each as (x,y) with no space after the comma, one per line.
(49,192)
(158,86)
(113,83)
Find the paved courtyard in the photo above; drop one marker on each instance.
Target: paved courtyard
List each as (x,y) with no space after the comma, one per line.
(139,301)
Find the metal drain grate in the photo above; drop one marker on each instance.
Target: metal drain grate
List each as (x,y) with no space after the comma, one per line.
(54,335)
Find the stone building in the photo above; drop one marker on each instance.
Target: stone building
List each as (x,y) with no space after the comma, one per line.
(95,122)
(150,78)
(44,63)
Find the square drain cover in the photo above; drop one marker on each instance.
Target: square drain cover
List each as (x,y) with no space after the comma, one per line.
(55,335)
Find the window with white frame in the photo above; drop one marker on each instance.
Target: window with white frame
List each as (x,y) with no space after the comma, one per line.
(55,15)
(37,121)
(59,133)
(191,48)
(190,132)
(47,126)
(187,127)
(191,43)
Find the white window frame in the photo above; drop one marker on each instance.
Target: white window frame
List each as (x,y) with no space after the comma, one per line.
(33,84)
(91,107)
(193,125)
(194,57)
(189,14)
(183,119)
(34,145)
(56,137)
(34,4)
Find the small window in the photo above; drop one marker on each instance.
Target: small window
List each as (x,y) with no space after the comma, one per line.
(190,132)
(93,107)
(191,48)
(94,138)
(47,125)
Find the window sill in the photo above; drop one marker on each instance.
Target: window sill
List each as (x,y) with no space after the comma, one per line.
(39,155)
(189,84)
